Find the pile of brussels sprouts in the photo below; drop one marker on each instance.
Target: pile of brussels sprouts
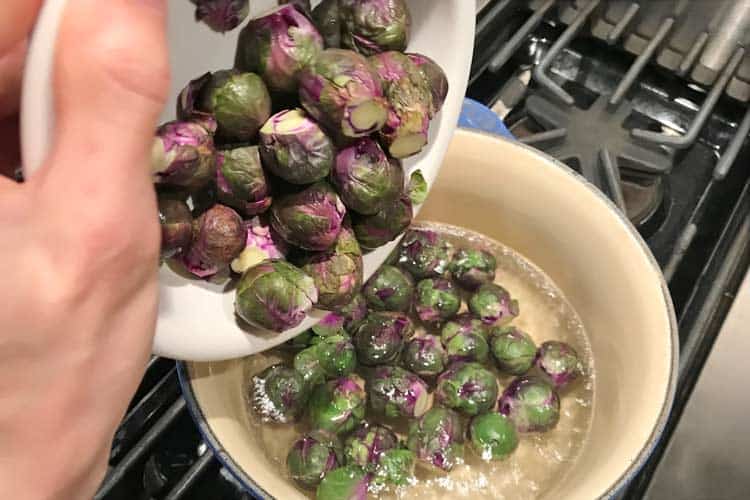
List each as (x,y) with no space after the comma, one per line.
(285,168)
(403,350)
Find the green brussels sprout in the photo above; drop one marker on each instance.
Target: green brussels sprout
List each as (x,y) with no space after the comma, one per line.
(326,17)
(295,148)
(425,356)
(395,392)
(331,324)
(345,483)
(344,319)
(312,456)
(437,438)
(514,350)
(376,230)
(472,267)
(425,254)
(275,295)
(240,180)
(261,243)
(493,436)
(183,155)
(493,305)
(559,363)
(436,300)
(337,356)
(370,27)
(465,339)
(531,403)
(417,188)
(301,341)
(380,337)
(396,467)
(464,323)
(176,227)
(307,363)
(338,406)
(279,394)
(366,444)
(467,387)
(221,15)
(277,46)
(436,78)
(389,289)
(218,238)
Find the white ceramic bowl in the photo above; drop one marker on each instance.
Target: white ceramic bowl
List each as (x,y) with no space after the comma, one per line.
(565,226)
(196,319)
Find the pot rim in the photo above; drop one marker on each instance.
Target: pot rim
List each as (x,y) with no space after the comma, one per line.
(636,465)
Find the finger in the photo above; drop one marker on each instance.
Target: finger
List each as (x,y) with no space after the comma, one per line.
(11,74)
(10,155)
(16,20)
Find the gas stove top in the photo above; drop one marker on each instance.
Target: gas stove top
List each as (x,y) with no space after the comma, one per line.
(649,101)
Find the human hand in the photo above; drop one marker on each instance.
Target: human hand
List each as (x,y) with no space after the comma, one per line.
(79,243)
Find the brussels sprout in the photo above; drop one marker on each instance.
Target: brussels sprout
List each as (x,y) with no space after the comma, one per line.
(312,456)
(493,305)
(389,289)
(239,101)
(376,230)
(417,188)
(365,178)
(279,394)
(331,324)
(513,349)
(300,342)
(493,436)
(370,27)
(346,318)
(408,93)
(295,148)
(395,392)
(472,267)
(345,483)
(366,444)
(467,346)
(437,438)
(327,19)
(240,180)
(467,387)
(396,467)
(183,155)
(176,226)
(464,323)
(337,356)
(338,405)
(218,237)
(425,254)
(380,337)
(531,403)
(277,46)
(436,300)
(221,15)
(559,363)
(436,78)
(307,363)
(342,91)
(425,356)
(261,243)
(275,295)
(310,219)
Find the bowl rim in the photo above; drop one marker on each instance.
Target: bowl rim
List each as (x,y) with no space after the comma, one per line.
(635,466)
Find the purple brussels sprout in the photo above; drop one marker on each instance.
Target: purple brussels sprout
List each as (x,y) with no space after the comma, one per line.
(337,272)
(436,78)
(279,394)
(514,350)
(372,26)
(366,444)
(493,436)
(311,219)
(342,91)
(467,345)
(275,295)
(380,337)
(240,181)
(326,17)
(389,289)
(437,438)
(559,363)
(493,305)
(331,324)
(295,148)
(277,46)
(425,356)
(425,254)
(395,392)
(176,226)
(472,267)
(463,324)
(417,188)
(338,406)
(436,300)
(312,456)
(376,230)
(345,483)
(365,178)
(346,318)
(531,403)
(410,102)
(221,15)
(183,155)
(218,238)
(467,387)
(261,243)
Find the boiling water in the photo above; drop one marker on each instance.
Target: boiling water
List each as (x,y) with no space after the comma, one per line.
(541,460)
